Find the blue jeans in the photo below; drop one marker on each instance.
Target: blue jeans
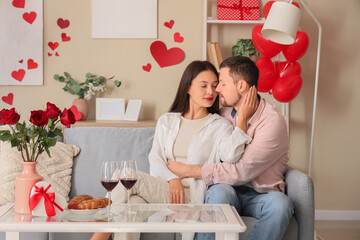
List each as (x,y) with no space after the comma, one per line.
(273,210)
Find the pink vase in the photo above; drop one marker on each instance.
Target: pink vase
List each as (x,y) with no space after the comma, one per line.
(82,106)
(24,182)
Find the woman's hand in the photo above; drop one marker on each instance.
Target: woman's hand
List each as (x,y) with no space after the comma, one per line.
(247,108)
(176,191)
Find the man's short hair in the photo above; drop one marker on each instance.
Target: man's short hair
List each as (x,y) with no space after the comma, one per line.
(241,67)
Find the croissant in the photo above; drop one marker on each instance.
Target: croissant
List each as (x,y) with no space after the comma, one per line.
(74,202)
(94,203)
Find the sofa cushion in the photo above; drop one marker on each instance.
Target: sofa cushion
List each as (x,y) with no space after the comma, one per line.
(55,170)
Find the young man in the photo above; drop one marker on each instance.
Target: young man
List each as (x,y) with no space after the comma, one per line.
(255,184)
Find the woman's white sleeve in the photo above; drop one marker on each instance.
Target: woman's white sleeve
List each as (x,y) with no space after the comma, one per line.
(232,143)
(157,157)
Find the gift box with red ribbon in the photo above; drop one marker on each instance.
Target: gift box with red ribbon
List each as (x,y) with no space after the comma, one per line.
(238,10)
(44,201)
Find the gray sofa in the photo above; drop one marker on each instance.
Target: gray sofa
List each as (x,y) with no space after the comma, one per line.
(98,144)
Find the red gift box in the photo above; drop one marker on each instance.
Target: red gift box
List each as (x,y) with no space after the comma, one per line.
(238,10)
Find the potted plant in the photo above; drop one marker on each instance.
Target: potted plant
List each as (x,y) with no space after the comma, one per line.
(245,47)
(84,90)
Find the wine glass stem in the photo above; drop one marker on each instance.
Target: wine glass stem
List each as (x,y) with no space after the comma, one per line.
(109,201)
(128,199)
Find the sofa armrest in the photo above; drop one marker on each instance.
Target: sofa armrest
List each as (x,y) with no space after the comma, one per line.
(300,189)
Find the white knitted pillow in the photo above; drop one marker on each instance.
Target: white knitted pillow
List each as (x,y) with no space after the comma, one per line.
(55,170)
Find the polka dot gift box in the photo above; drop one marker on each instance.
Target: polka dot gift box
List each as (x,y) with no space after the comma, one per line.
(238,10)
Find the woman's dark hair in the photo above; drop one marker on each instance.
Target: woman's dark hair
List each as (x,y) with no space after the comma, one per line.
(181,101)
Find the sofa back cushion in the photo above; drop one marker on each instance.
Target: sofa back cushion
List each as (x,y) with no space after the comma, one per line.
(100,144)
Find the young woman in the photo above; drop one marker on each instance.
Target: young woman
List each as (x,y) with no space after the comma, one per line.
(193,133)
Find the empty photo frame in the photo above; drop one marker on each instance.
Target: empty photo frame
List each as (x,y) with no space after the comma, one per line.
(110,108)
(133,110)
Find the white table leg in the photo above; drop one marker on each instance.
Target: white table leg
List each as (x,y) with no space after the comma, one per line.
(12,236)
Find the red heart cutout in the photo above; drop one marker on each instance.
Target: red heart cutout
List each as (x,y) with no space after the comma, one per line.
(65,38)
(165,57)
(18,75)
(52,45)
(77,114)
(49,54)
(57,54)
(29,17)
(169,24)
(19,3)
(8,99)
(147,68)
(63,23)
(31,64)
(266,47)
(178,38)
(21,61)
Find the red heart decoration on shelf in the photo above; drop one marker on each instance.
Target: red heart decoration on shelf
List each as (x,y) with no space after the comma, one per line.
(77,114)
(52,45)
(169,24)
(63,23)
(65,38)
(31,64)
(166,57)
(18,75)
(147,68)
(178,38)
(29,17)
(18,3)
(8,99)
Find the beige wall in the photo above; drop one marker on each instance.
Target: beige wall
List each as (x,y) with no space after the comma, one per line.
(336,156)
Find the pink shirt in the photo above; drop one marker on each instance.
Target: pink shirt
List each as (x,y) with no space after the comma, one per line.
(265,159)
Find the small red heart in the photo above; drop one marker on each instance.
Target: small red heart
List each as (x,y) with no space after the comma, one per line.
(147,68)
(49,54)
(8,99)
(65,38)
(166,57)
(169,24)
(18,3)
(18,75)
(77,114)
(29,17)
(52,45)
(21,61)
(57,54)
(63,23)
(31,64)
(178,38)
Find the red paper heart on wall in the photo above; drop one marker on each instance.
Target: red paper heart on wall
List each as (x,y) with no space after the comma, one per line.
(169,24)
(65,38)
(178,38)
(18,3)
(166,57)
(31,64)
(52,45)
(77,114)
(8,99)
(63,23)
(29,17)
(18,75)
(147,68)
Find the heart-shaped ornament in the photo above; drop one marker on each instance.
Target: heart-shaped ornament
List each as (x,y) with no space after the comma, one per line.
(8,99)
(65,38)
(31,64)
(169,24)
(178,38)
(63,23)
(30,17)
(53,45)
(18,3)
(147,68)
(166,57)
(18,75)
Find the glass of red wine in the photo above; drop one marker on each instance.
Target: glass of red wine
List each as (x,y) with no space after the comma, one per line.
(128,178)
(109,178)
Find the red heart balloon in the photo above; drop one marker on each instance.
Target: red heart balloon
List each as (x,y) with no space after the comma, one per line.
(283,69)
(267,8)
(296,50)
(266,47)
(287,88)
(267,74)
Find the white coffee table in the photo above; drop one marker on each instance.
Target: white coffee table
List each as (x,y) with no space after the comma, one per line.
(219,218)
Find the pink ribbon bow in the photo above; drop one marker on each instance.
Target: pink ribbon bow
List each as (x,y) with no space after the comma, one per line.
(49,200)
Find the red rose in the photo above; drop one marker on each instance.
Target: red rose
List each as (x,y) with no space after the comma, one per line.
(39,118)
(52,111)
(9,116)
(67,117)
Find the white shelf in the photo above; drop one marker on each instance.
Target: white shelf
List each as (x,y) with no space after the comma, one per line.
(216,21)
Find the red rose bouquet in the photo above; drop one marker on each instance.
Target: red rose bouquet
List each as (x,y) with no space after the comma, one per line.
(40,135)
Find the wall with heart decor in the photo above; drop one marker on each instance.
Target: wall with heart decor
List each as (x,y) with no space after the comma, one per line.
(68,46)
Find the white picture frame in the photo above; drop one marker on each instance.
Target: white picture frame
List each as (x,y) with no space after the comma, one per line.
(132,110)
(110,108)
